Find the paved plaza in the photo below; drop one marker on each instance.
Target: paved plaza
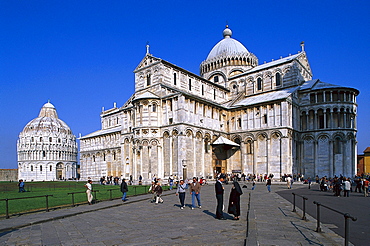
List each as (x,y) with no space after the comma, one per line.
(139,222)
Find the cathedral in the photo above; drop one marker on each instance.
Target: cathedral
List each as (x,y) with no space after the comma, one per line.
(237,116)
(47,148)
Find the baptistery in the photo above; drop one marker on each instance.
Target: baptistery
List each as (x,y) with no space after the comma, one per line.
(47,148)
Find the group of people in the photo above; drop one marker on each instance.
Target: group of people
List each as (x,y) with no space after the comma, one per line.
(156,190)
(194,189)
(234,199)
(339,184)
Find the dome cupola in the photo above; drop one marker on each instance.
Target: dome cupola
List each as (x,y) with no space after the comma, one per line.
(229,57)
(47,148)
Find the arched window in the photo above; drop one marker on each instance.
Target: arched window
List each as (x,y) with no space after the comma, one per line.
(43,153)
(215,79)
(259,84)
(202,90)
(206,145)
(51,168)
(93,158)
(31,168)
(239,122)
(189,84)
(249,147)
(40,139)
(154,107)
(50,139)
(40,168)
(337,146)
(277,79)
(148,80)
(31,139)
(174,78)
(114,155)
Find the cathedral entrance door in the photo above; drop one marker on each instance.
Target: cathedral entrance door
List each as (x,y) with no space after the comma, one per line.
(219,166)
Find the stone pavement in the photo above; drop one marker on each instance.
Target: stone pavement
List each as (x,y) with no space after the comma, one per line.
(139,222)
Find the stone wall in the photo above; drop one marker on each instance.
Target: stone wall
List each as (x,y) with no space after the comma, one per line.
(8,174)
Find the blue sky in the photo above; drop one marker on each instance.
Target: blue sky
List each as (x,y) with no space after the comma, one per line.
(81,54)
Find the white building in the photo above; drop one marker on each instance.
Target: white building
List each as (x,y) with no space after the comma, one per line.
(47,148)
(273,118)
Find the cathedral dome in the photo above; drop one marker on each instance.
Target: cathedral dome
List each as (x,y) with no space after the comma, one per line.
(227,58)
(227,47)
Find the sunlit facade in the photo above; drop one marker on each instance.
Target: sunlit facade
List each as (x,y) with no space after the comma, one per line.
(279,120)
(47,148)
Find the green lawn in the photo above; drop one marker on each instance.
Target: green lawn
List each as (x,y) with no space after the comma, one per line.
(59,191)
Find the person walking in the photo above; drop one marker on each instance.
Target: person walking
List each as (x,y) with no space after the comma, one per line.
(170,182)
(195,193)
(253,184)
(268,184)
(181,191)
(88,187)
(358,183)
(234,200)
(124,190)
(151,190)
(365,187)
(347,187)
(219,189)
(158,191)
(289,182)
(21,186)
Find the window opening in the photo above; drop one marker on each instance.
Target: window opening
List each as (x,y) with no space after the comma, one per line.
(259,84)
(277,79)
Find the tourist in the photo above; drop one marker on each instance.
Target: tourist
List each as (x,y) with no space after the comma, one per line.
(358,183)
(195,193)
(170,182)
(88,186)
(124,190)
(181,191)
(365,187)
(234,200)
(253,184)
(289,182)
(158,191)
(151,190)
(21,186)
(337,186)
(268,184)
(347,187)
(220,197)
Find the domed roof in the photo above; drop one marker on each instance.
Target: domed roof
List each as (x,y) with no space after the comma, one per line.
(227,46)
(47,121)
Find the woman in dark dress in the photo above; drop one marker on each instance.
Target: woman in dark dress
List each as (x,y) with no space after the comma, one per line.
(234,200)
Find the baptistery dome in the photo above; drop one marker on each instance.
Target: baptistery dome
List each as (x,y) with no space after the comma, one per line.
(47,148)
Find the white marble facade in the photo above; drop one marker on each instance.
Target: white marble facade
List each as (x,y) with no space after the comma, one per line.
(281,120)
(47,149)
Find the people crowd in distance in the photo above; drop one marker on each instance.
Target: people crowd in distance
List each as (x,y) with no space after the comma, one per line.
(340,186)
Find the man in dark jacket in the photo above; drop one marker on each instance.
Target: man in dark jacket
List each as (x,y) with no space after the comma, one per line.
(124,190)
(220,197)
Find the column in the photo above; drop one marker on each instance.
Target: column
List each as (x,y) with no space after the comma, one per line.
(255,157)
